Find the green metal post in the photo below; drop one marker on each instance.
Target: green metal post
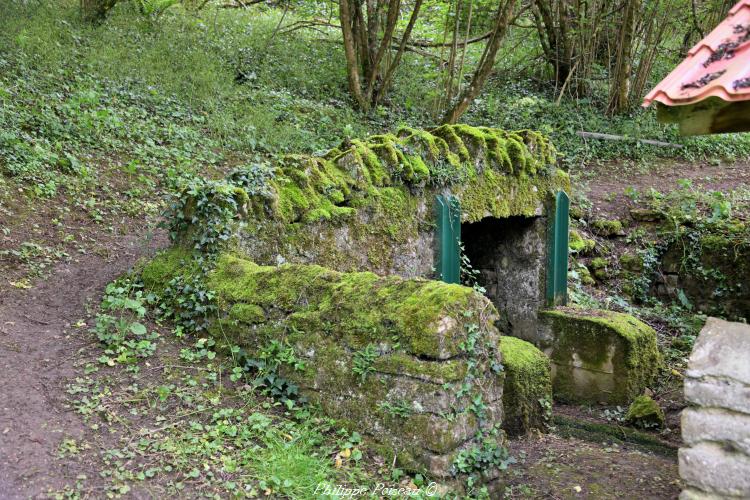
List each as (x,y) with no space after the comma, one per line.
(448,211)
(557,271)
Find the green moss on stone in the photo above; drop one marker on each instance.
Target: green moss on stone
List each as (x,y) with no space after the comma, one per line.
(158,272)
(580,245)
(528,385)
(608,228)
(644,412)
(376,195)
(419,328)
(631,262)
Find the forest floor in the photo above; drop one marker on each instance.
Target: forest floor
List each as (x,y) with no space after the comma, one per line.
(48,297)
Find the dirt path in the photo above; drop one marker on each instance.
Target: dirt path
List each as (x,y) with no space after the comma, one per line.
(38,346)
(605,188)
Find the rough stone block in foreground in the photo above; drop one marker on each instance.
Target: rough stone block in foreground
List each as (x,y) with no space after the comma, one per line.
(713,468)
(598,356)
(721,352)
(717,425)
(528,386)
(386,356)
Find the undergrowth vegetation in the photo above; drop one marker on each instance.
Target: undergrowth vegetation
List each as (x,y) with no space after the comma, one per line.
(185,91)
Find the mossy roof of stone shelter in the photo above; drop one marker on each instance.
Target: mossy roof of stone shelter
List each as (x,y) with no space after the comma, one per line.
(492,172)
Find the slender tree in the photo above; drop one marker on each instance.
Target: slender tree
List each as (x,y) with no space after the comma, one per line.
(503,19)
(368,28)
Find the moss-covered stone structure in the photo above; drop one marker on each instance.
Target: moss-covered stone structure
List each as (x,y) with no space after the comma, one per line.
(598,356)
(371,206)
(412,363)
(338,258)
(527,395)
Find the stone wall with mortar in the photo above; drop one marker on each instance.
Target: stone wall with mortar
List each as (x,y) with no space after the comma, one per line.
(511,257)
(414,365)
(715,460)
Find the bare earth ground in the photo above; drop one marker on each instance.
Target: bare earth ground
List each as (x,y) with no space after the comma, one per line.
(38,348)
(605,185)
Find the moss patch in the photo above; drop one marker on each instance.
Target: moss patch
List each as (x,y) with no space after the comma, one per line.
(608,228)
(579,244)
(600,356)
(527,392)
(644,412)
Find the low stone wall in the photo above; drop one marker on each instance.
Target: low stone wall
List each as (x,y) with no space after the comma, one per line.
(716,277)
(413,364)
(715,462)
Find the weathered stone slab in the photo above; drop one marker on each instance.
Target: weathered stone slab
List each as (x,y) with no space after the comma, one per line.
(721,351)
(712,468)
(718,392)
(598,356)
(695,494)
(717,425)
(399,360)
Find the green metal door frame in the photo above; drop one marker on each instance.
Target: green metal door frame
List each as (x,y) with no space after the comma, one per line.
(448,210)
(557,269)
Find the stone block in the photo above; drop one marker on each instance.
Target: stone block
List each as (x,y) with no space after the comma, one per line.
(598,356)
(711,467)
(722,350)
(695,494)
(719,393)
(717,425)
(527,390)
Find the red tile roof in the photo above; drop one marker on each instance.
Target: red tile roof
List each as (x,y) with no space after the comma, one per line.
(719,65)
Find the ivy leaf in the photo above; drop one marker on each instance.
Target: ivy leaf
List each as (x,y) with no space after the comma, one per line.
(137,329)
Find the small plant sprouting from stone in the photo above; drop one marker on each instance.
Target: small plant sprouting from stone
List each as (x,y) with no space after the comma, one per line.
(363,361)
(469,275)
(400,409)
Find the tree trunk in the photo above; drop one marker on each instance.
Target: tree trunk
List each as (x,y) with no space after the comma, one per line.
(619,95)
(350,52)
(486,63)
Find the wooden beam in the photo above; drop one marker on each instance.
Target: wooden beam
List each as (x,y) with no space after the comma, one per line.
(709,116)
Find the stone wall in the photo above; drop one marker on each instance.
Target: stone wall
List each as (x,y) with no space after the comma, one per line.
(511,256)
(369,205)
(413,364)
(713,272)
(715,462)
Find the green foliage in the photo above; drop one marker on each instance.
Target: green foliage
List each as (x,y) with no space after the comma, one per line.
(120,324)
(203,210)
(363,361)
(264,370)
(490,455)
